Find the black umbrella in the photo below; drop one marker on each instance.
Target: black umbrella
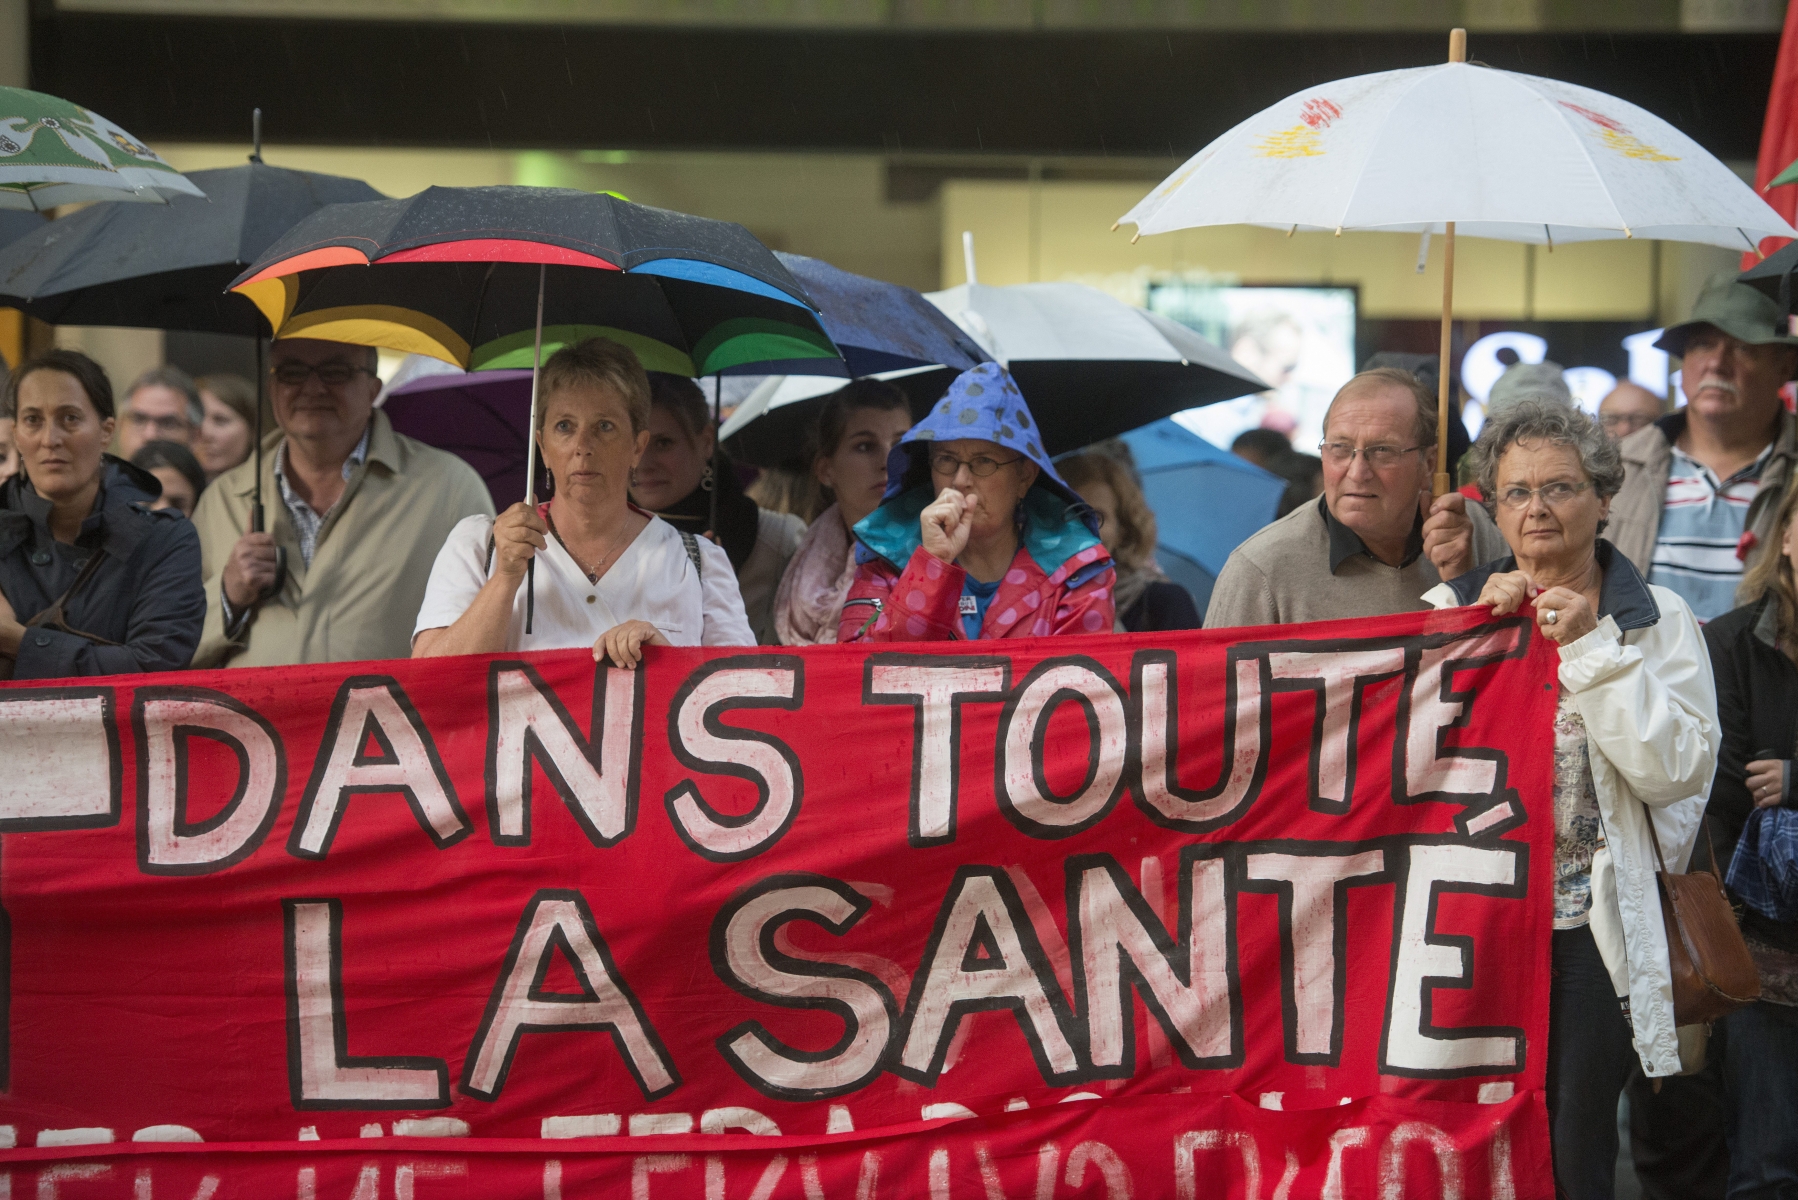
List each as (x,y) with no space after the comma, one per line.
(1773,275)
(156,266)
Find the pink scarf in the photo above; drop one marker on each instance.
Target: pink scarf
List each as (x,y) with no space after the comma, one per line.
(810,600)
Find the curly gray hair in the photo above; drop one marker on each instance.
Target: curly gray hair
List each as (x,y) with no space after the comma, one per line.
(1545,421)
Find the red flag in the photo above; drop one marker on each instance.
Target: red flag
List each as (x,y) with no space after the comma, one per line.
(1779,136)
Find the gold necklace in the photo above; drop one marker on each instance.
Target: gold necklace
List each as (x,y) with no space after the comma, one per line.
(599,564)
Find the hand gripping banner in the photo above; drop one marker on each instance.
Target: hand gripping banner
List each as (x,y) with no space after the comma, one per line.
(1261,914)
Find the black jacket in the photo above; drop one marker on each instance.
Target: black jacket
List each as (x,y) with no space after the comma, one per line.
(1757,708)
(146,595)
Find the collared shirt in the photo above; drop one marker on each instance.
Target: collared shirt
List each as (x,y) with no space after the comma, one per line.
(1345,543)
(1702,521)
(307,521)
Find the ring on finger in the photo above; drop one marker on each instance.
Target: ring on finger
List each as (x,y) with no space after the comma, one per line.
(1551,616)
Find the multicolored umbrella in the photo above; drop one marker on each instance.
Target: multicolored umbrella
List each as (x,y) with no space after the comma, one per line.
(488,277)
(53,152)
(459,271)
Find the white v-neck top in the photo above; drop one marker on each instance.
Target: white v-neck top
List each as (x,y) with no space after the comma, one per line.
(653,580)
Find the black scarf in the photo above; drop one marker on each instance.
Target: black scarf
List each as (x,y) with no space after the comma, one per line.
(737,516)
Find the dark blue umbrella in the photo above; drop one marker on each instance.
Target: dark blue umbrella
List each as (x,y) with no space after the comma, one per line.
(879,327)
(1206,501)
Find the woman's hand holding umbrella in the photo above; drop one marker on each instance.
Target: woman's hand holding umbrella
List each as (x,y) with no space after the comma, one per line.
(517,536)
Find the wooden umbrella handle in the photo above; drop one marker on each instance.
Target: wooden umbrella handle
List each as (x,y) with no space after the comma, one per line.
(1457,52)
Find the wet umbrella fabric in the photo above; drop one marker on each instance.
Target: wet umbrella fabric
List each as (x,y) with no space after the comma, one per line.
(482,417)
(460,271)
(53,152)
(167,267)
(1090,366)
(878,326)
(1206,501)
(881,328)
(17,223)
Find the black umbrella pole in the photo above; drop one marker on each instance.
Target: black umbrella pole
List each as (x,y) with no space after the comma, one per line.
(717,449)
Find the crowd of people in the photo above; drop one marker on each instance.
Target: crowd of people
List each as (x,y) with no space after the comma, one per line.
(1656,550)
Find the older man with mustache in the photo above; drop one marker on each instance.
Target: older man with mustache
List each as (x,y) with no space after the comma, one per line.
(1703,483)
(1701,488)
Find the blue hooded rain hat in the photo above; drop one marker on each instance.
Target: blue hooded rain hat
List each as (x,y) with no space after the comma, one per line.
(982,403)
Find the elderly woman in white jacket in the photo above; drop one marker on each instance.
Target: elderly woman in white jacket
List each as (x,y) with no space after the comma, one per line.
(1636,739)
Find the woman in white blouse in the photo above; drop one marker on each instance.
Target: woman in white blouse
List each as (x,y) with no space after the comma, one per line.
(609,575)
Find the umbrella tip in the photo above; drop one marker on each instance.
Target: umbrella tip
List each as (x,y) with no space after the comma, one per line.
(1136,237)
(1114,226)
(255,135)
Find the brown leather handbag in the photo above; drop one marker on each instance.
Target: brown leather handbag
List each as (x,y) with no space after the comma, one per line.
(1713,973)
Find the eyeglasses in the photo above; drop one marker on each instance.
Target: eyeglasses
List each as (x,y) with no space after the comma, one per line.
(1553,494)
(144,421)
(1624,424)
(980,465)
(1380,458)
(331,374)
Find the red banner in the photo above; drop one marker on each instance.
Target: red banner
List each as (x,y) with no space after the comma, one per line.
(1259,915)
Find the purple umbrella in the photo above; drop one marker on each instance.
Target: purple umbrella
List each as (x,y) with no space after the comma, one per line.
(483,418)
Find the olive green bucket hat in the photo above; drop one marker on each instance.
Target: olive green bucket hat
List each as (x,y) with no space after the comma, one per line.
(1744,313)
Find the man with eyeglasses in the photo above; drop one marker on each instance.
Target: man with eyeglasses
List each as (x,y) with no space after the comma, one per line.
(1376,540)
(1702,484)
(162,405)
(1627,408)
(357,511)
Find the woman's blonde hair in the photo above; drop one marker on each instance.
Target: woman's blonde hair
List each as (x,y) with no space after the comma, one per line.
(1772,572)
(600,362)
(1136,521)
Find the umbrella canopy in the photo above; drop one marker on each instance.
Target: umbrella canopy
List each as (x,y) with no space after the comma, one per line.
(773,425)
(53,152)
(1503,155)
(1773,275)
(17,223)
(483,418)
(878,326)
(1206,501)
(459,272)
(167,267)
(884,330)
(1090,366)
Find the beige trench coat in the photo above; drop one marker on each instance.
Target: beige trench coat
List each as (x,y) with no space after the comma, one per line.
(360,596)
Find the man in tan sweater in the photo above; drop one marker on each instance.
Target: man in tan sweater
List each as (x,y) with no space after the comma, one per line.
(360,510)
(1375,542)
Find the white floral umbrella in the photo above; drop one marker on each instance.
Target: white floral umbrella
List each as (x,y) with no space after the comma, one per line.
(53,152)
(1458,147)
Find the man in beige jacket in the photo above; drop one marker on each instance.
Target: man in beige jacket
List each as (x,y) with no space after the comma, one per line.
(360,510)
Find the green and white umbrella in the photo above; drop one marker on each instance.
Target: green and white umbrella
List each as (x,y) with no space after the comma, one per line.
(53,152)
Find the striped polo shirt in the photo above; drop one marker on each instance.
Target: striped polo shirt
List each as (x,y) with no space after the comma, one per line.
(1701,525)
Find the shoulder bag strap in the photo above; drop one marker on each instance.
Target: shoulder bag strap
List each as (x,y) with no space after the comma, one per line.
(692,545)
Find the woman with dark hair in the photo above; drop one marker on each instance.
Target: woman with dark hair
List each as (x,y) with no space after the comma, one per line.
(978,537)
(91,581)
(608,574)
(675,479)
(1147,601)
(1753,649)
(177,470)
(228,428)
(1635,742)
(857,428)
